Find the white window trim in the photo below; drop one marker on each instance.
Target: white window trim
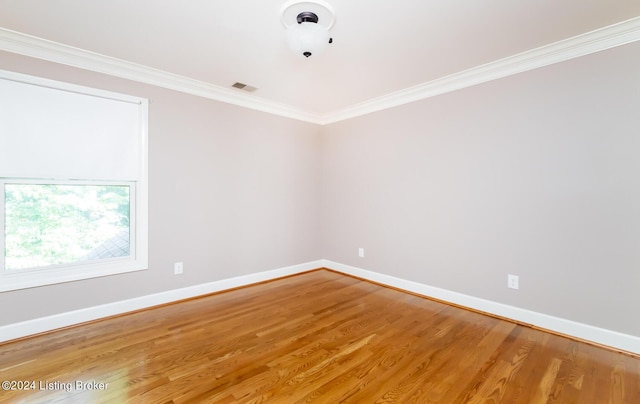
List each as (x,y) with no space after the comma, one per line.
(15,280)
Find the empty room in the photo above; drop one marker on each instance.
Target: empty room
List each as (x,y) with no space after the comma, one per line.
(323,201)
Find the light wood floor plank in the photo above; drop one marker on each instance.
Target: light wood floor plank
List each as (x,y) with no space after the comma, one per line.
(318,337)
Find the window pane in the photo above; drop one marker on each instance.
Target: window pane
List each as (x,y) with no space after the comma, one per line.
(53,224)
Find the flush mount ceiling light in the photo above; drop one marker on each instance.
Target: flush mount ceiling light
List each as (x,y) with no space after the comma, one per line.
(307,24)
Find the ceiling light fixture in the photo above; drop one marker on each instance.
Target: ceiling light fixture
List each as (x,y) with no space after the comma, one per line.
(307,24)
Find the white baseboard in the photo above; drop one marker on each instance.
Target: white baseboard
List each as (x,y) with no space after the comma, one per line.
(43,324)
(613,339)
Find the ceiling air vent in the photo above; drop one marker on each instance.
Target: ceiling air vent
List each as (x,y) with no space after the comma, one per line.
(243,87)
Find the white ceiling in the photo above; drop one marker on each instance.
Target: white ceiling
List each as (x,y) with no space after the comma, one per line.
(380,47)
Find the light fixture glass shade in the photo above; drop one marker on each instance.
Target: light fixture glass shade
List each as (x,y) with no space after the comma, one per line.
(307,37)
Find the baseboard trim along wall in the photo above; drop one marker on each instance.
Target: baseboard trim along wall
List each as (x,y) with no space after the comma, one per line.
(589,333)
(601,336)
(49,323)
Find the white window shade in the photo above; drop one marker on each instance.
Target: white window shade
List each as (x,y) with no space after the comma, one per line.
(57,130)
(69,146)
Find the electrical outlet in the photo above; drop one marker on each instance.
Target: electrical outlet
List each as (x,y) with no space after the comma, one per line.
(361,252)
(513,282)
(178,267)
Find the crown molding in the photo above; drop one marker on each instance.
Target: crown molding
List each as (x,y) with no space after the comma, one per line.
(28,45)
(601,39)
(598,40)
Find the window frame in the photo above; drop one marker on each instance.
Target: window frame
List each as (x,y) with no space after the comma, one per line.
(138,205)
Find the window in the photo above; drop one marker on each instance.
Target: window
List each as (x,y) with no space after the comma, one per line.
(73,192)
(49,225)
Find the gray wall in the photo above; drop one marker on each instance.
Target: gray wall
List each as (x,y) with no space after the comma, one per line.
(536,175)
(232,191)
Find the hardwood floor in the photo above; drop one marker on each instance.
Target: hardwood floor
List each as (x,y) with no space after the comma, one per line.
(316,337)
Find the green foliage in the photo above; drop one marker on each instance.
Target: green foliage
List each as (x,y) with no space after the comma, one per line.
(49,224)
